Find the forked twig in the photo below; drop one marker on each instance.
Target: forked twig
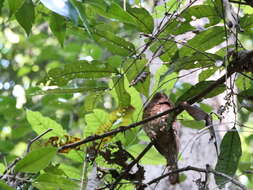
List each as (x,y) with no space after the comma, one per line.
(35,139)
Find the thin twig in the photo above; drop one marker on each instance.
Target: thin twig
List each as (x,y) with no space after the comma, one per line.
(129,167)
(191,168)
(9,167)
(18,178)
(239,2)
(35,139)
(152,40)
(246,76)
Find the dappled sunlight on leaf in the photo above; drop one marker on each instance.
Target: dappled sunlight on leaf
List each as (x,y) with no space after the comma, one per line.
(56,141)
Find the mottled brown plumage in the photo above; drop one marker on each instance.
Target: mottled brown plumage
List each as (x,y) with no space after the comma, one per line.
(165,137)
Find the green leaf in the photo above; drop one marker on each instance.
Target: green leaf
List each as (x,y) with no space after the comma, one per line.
(58,26)
(8,108)
(206,107)
(199,87)
(161,9)
(133,68)
(144,21)
(218,5)
(2,168)
(115,61)
(36,160)
(175,28)
(95,120)
(136,101)
(118,117)
(14,5)
(164,81)
(129,137)
(113,43)
(71,171)
(1,6)
(99,86)
(246,23)
(54,169)
(196,60)
(62,7)
(138,17)
(25,16)
(91,100)
(81,69)
(207,73)
(230,153)
(193,124)
(40,124)
(76,31)
(167,49)
(52,182)
(6,146)
(149,156)
(24,71)
(201,11)
(81,12)
(111,10)
(75,156)
(54,101)
(123,96)
(243,83)
(204,41)
(116,11)
(246,99)
(4,186)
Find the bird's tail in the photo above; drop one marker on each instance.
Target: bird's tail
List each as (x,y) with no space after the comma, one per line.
(173,178)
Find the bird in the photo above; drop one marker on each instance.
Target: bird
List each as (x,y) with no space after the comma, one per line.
(164,136)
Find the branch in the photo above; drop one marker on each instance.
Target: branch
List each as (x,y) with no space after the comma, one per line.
(129,167)
(242,63)
(10,166)
(178,109)
(191,168)
(18,177)
(198,114)
(35,139)
(114,132)
(240,3)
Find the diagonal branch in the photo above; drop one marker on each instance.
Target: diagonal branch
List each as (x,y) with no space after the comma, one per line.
(178,109)
(115,131)
(243,62)
(129,167)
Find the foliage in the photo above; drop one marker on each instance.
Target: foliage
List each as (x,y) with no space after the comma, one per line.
(229,156)
(84,68)
(39,158)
